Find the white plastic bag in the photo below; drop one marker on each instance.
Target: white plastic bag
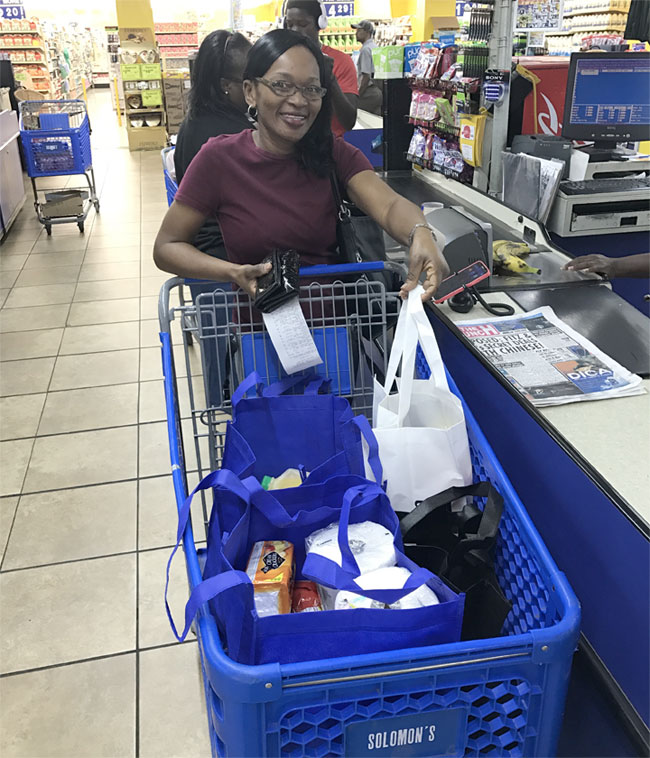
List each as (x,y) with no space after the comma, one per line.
(421,430)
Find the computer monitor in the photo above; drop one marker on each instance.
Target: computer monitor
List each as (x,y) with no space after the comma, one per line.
(607,100)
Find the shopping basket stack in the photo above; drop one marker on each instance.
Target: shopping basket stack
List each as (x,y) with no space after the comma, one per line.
(501,696)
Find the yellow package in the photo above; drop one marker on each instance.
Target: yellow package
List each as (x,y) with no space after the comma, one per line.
(472,128)
(270,568)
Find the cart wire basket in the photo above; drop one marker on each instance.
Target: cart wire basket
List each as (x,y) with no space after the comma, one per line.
(55,135)
(502,696)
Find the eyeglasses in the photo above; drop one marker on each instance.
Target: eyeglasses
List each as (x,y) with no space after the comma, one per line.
(283,88)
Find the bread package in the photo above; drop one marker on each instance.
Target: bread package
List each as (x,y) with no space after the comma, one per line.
(270,568)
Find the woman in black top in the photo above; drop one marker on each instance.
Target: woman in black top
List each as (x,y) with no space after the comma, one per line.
(216,106)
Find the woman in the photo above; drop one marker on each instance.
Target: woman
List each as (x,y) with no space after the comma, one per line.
(270,188)
(216,106)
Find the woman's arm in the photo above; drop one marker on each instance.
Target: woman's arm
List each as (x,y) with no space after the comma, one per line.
(634,266)
(398,216)
(174,252)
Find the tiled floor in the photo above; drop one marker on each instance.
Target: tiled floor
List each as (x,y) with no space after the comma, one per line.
(88,664)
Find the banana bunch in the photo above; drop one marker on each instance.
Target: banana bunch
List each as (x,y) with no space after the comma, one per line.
(507,258)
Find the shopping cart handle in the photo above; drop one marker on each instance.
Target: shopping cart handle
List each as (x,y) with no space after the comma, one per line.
(342,268)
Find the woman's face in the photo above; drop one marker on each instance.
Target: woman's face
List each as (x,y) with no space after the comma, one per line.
(286,119)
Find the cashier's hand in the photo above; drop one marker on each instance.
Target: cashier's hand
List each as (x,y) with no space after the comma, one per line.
(246,276)
(424,256)
(593,264)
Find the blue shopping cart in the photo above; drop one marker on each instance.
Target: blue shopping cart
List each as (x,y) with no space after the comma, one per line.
(55,136)
(502,696)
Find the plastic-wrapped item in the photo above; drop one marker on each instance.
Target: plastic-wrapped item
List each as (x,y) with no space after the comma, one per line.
(306,598)
(420,144)
(270,568)
(371,544)
(428,150)
(290,478)
(392,578)
(415,103)
(438,151)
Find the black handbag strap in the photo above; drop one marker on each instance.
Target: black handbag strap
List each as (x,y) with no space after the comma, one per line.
(342,209)
(489,522)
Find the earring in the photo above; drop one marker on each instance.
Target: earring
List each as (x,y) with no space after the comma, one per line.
(226,92)
(252,112)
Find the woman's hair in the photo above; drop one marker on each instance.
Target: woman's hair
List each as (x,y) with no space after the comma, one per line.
(217,59)
(314,151)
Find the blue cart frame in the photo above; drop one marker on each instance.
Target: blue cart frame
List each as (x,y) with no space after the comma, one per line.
(501,697)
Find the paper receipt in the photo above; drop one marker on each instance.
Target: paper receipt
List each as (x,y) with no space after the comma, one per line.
(291,337)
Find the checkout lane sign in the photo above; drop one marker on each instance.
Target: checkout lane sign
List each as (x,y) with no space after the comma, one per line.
(339,9)
(10,9)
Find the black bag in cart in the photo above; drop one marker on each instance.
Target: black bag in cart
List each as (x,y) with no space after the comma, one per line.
(456,542)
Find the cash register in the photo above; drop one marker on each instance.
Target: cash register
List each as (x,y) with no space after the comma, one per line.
(607,102)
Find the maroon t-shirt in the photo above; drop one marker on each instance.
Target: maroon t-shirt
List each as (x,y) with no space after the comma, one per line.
(265,201)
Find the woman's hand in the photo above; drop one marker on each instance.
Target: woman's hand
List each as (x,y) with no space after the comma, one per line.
(245,276)
(425,256)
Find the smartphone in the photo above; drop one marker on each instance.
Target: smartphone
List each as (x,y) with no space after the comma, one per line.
(466,277)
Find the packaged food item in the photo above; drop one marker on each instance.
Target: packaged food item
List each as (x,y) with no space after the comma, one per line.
(424,106)
(305,598)
(290,478)
(428,150)
(391,578)
(415,103)
(270,568)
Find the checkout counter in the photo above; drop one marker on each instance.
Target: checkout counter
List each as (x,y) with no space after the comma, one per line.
(581,469)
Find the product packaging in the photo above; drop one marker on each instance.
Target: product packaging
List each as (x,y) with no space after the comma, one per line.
(270,568)
(371,544)
(306,598)
(391,578)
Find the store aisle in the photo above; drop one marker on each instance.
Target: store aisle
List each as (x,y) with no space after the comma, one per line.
(88,664)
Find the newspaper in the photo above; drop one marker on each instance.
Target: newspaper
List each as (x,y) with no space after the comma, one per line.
(547,361)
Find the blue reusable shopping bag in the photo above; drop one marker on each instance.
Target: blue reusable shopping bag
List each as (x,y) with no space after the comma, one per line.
(318,433)
(293,514)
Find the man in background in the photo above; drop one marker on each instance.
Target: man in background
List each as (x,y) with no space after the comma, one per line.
(370,94)
(303,16)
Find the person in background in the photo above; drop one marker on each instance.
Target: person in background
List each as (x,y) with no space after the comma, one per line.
(633,266)
(305,17)
(370,94)
(216,106)
(270,187)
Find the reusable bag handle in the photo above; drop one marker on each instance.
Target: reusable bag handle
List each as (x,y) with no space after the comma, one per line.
(313,382)
(324,571)
(209,588)
(488,525)
(413,328)
(374,460)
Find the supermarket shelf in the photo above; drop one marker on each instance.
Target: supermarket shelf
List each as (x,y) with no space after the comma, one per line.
(435,127)
(135,111)
(594,11)
(439,84)
(22,47)
(586,31)
(29,63)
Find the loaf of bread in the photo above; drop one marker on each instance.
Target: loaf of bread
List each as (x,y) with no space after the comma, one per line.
(270,568)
